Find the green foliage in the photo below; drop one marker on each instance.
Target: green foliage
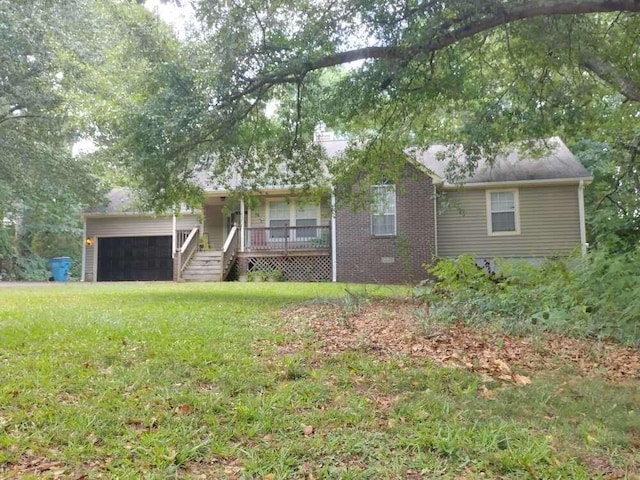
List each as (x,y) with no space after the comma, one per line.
(69,70)
(48,244)
(8,252)
(598,295)
(17,261)
(42,46)
(608,285)
(612,203)
(463,273)
(275,275)
(31,267)
(246,91)
(258,275)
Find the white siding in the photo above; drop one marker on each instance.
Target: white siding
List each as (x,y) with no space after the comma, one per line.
(129,226)
(187,222)
(214,226)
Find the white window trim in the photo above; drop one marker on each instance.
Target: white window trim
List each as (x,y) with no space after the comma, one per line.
(395,213)
(516,201)
(292,211)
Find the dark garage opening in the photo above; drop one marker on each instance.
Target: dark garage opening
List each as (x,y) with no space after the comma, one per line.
(134,258)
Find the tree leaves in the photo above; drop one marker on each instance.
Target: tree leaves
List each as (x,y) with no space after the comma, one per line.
(61,70)
(391,75)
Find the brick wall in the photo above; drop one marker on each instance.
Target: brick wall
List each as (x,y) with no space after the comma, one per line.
(362,257)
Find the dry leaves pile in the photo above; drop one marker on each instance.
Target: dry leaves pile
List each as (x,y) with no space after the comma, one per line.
(388,328)
(39,466)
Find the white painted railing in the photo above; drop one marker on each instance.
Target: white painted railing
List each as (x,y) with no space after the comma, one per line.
(186,251)
(181,238)
(229,252)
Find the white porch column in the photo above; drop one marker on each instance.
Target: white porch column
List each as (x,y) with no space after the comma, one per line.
(435,221)
(84,248)
(173,238)
(334,261)
(583,228)
(242,224)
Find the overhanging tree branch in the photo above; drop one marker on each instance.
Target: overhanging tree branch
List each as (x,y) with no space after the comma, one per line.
(446,34)
(6,118)
(608,73)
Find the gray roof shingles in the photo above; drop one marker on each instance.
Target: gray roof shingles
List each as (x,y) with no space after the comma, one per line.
(123,201)
(555,163)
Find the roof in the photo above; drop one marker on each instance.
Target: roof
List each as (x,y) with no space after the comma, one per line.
(271,174)
(555,163)
(122,201)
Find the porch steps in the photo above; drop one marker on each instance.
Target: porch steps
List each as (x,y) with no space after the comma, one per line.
(203,267)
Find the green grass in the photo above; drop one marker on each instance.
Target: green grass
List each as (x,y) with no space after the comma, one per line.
(200,381)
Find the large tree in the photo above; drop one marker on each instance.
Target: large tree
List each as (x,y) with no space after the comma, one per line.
(246,91)
(477,72)
(65,67)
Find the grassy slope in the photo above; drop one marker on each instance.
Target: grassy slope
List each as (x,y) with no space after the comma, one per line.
(199,379)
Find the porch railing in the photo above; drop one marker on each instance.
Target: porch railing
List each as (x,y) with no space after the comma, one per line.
(229,251)
(181,237)
(186,251)
(287,238)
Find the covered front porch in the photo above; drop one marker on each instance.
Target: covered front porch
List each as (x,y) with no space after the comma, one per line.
(272,233)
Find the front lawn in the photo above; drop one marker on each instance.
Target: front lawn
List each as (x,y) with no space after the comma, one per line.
(218,381)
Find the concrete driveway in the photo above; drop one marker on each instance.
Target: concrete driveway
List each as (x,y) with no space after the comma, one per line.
(29,284)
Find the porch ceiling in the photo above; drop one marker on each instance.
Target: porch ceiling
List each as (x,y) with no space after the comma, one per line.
(215,198)
(220,197)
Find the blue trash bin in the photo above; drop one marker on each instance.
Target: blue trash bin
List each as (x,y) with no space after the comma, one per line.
(60,268)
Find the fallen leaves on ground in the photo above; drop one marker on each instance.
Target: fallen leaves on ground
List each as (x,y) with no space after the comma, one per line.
(215,467)
(37,466)
(183,409)
(603,466)
(391,327)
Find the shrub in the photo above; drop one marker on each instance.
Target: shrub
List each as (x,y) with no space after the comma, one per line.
(598,295)
(609,286)
(258,275)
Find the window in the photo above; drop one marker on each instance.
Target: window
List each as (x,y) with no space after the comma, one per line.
(278,217)
(292,214)
(502,212)
(306,216)
(383,215)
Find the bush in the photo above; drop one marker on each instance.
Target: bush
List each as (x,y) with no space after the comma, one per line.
(31,268)
(609,286)
(598,295)
(19,263)
(25,257)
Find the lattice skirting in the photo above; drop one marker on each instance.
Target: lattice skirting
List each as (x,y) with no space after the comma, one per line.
(295,269)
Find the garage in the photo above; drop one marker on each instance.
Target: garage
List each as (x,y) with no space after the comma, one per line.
(134,258)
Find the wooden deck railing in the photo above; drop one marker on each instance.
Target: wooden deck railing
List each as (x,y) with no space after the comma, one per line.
(186,251)
(287,238)
(181,237)
(229,252)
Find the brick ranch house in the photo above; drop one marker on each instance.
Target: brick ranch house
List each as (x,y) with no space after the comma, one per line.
(515,208)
